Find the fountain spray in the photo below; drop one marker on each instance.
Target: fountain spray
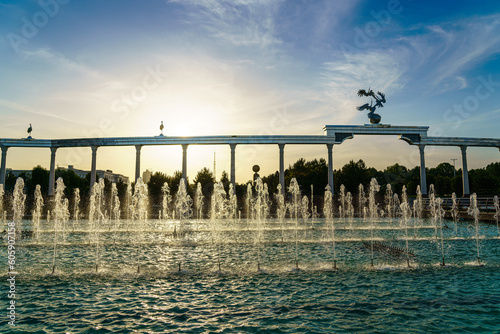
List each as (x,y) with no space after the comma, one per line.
(37,212)
(474,212)
(497,212)
(328,211)
(61,216)
(373,207)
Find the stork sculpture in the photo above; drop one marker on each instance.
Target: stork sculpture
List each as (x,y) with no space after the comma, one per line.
(379,98)
(161,129)
(29,131)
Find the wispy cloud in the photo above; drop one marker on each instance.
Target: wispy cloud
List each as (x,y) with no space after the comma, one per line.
(30,110)
(61,61)
(446,51)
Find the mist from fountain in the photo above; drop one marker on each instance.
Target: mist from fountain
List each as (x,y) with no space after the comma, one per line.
(405,210)
(361,200)
(217,214)
(349,210)
(18,203)
(139,212)
(37,212)
(473,211)
(454,212)
(199,200)
(438,223)
(389,201)
(373,209)
(76,207)
(280,210)
(61,217)
(166,198)
(294,208)
(261,209)
(96,217)
(328,212)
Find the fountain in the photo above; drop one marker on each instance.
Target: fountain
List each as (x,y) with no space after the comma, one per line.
(262,238)
(199,200)
(37,212)
(117,258)
(405,215)
(166,198)
(328,212)
(454,212)
(139,213)
(281,210)
(61,216)
(373,208)
(473,210)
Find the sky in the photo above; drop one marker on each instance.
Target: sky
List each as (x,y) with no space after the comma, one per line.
(118,68)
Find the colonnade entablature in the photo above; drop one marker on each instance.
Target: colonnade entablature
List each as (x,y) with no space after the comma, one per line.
(333,135)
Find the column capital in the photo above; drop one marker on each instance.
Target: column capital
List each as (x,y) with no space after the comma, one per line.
(463,148)
(138,147)
(5,148)
(94,148)
(53,149)
(281,146)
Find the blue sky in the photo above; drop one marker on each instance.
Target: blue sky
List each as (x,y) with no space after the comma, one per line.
(205,67)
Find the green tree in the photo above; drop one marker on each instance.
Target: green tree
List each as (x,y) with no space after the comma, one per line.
(206,178)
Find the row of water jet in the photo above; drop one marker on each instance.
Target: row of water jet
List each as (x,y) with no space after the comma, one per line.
(61,217)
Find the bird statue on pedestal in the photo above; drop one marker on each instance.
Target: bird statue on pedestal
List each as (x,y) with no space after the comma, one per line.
(161,128)
(379,103)
(29,131)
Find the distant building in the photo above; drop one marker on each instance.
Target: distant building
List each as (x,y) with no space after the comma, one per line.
(105,174)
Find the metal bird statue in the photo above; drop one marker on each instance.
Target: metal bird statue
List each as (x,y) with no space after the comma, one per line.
(161,128)
(379,100)
(29,131)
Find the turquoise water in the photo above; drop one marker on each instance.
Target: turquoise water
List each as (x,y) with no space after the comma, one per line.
(389,297)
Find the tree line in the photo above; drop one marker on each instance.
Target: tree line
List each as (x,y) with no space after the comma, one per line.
(446,179)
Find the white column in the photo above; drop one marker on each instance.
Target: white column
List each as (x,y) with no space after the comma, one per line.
(52,172)
(137,162)
(184,162)
(94,165)
(423,177)
(233,165)
(330,166)
(3,167)
(465,171)
(282,167)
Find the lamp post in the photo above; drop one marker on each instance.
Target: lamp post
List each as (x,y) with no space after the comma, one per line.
(454,170)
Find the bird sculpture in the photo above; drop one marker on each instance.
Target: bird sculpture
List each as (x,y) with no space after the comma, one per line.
(29,131)
(379,98)
(161,128)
